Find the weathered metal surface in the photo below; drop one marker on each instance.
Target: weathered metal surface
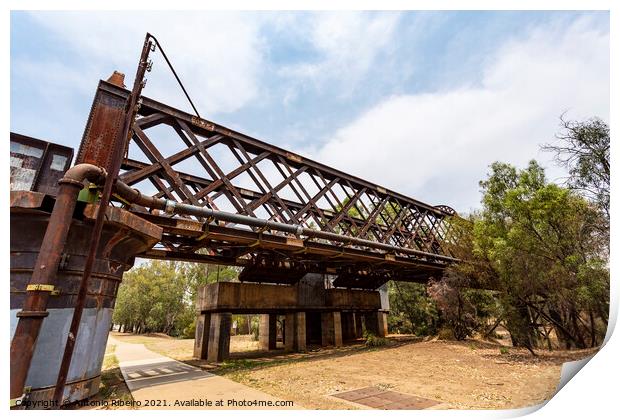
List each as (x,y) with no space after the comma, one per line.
(356,267)
(28,199)
(105,120)
(124,220)
(37,165)
(114,256)
(114,156)
(376,398)
(44,267)
(218,168)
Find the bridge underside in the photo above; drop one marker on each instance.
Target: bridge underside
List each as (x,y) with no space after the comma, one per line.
(308,313)
(179,157)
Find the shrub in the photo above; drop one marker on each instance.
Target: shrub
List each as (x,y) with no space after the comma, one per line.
(372,340)
(445,333)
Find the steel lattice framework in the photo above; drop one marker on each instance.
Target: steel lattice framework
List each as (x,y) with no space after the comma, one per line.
(191,160)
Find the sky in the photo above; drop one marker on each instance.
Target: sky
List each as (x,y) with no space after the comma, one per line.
(418,102)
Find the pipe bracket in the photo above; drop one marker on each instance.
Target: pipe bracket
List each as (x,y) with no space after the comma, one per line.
(43,288)
(32,314)
(170,206)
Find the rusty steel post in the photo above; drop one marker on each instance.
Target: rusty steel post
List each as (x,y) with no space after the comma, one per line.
(114,165)
(44,274)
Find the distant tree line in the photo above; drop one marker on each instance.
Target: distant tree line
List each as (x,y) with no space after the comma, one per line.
(160,296)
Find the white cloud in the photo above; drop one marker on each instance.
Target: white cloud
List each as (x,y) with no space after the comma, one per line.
(218,54)
(347,43)
(437,146)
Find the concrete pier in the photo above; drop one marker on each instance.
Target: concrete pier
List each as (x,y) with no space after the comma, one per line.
(376,323)
(218,346)
(299,343)
(267,331)
(201,341)
(312,313)
(331,329)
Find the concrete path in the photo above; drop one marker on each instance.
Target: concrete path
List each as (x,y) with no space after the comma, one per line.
(159,382)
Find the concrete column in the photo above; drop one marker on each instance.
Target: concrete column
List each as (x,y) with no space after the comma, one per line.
(376,323)
(219,337)
(383,324)
(300,332)
(289,332)
(201,341)
(267,331)
(371,323)
(357,320)
(337,329)
(331,329)
(348,325)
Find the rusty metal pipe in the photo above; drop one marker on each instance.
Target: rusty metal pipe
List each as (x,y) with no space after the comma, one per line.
(113,167)
(132,195)
(44,273)
(84,171)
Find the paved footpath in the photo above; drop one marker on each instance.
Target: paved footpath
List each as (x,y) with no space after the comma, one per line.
(155,380)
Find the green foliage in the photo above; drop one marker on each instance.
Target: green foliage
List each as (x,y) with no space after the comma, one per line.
(190,330)
(412,311)
(371,340)
(159,296)
(243,323)
(539,245)
(254,325)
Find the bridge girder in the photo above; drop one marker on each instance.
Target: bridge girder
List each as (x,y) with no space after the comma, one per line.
(180,157)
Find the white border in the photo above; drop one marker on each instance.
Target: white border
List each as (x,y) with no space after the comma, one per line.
(593,394)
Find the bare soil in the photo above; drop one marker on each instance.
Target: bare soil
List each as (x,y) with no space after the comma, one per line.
(470,374)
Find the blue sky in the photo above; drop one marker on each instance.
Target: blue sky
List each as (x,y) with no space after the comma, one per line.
(420,102)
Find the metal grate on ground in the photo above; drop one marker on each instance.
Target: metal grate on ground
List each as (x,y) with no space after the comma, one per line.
(376,398)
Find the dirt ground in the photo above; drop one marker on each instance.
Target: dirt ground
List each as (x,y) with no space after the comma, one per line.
(460,375)
(470,375)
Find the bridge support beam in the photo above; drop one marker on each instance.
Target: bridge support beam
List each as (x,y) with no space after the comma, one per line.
(212,340)
(331,329)
(300,332)
(201,340)
(267,331)
(219,337)
(376,323)
(359,328)
(289,332)
(348,325)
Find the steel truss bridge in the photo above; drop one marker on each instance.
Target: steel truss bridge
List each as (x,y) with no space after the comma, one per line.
(183,158)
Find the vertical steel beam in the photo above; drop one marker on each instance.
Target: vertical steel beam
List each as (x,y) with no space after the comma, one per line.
(117,151)
(44,273)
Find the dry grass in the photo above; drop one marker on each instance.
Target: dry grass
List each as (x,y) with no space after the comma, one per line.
(183,349)
(470,375)
(464,375)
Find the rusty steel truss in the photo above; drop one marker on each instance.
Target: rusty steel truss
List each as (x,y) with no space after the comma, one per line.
(183,158)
